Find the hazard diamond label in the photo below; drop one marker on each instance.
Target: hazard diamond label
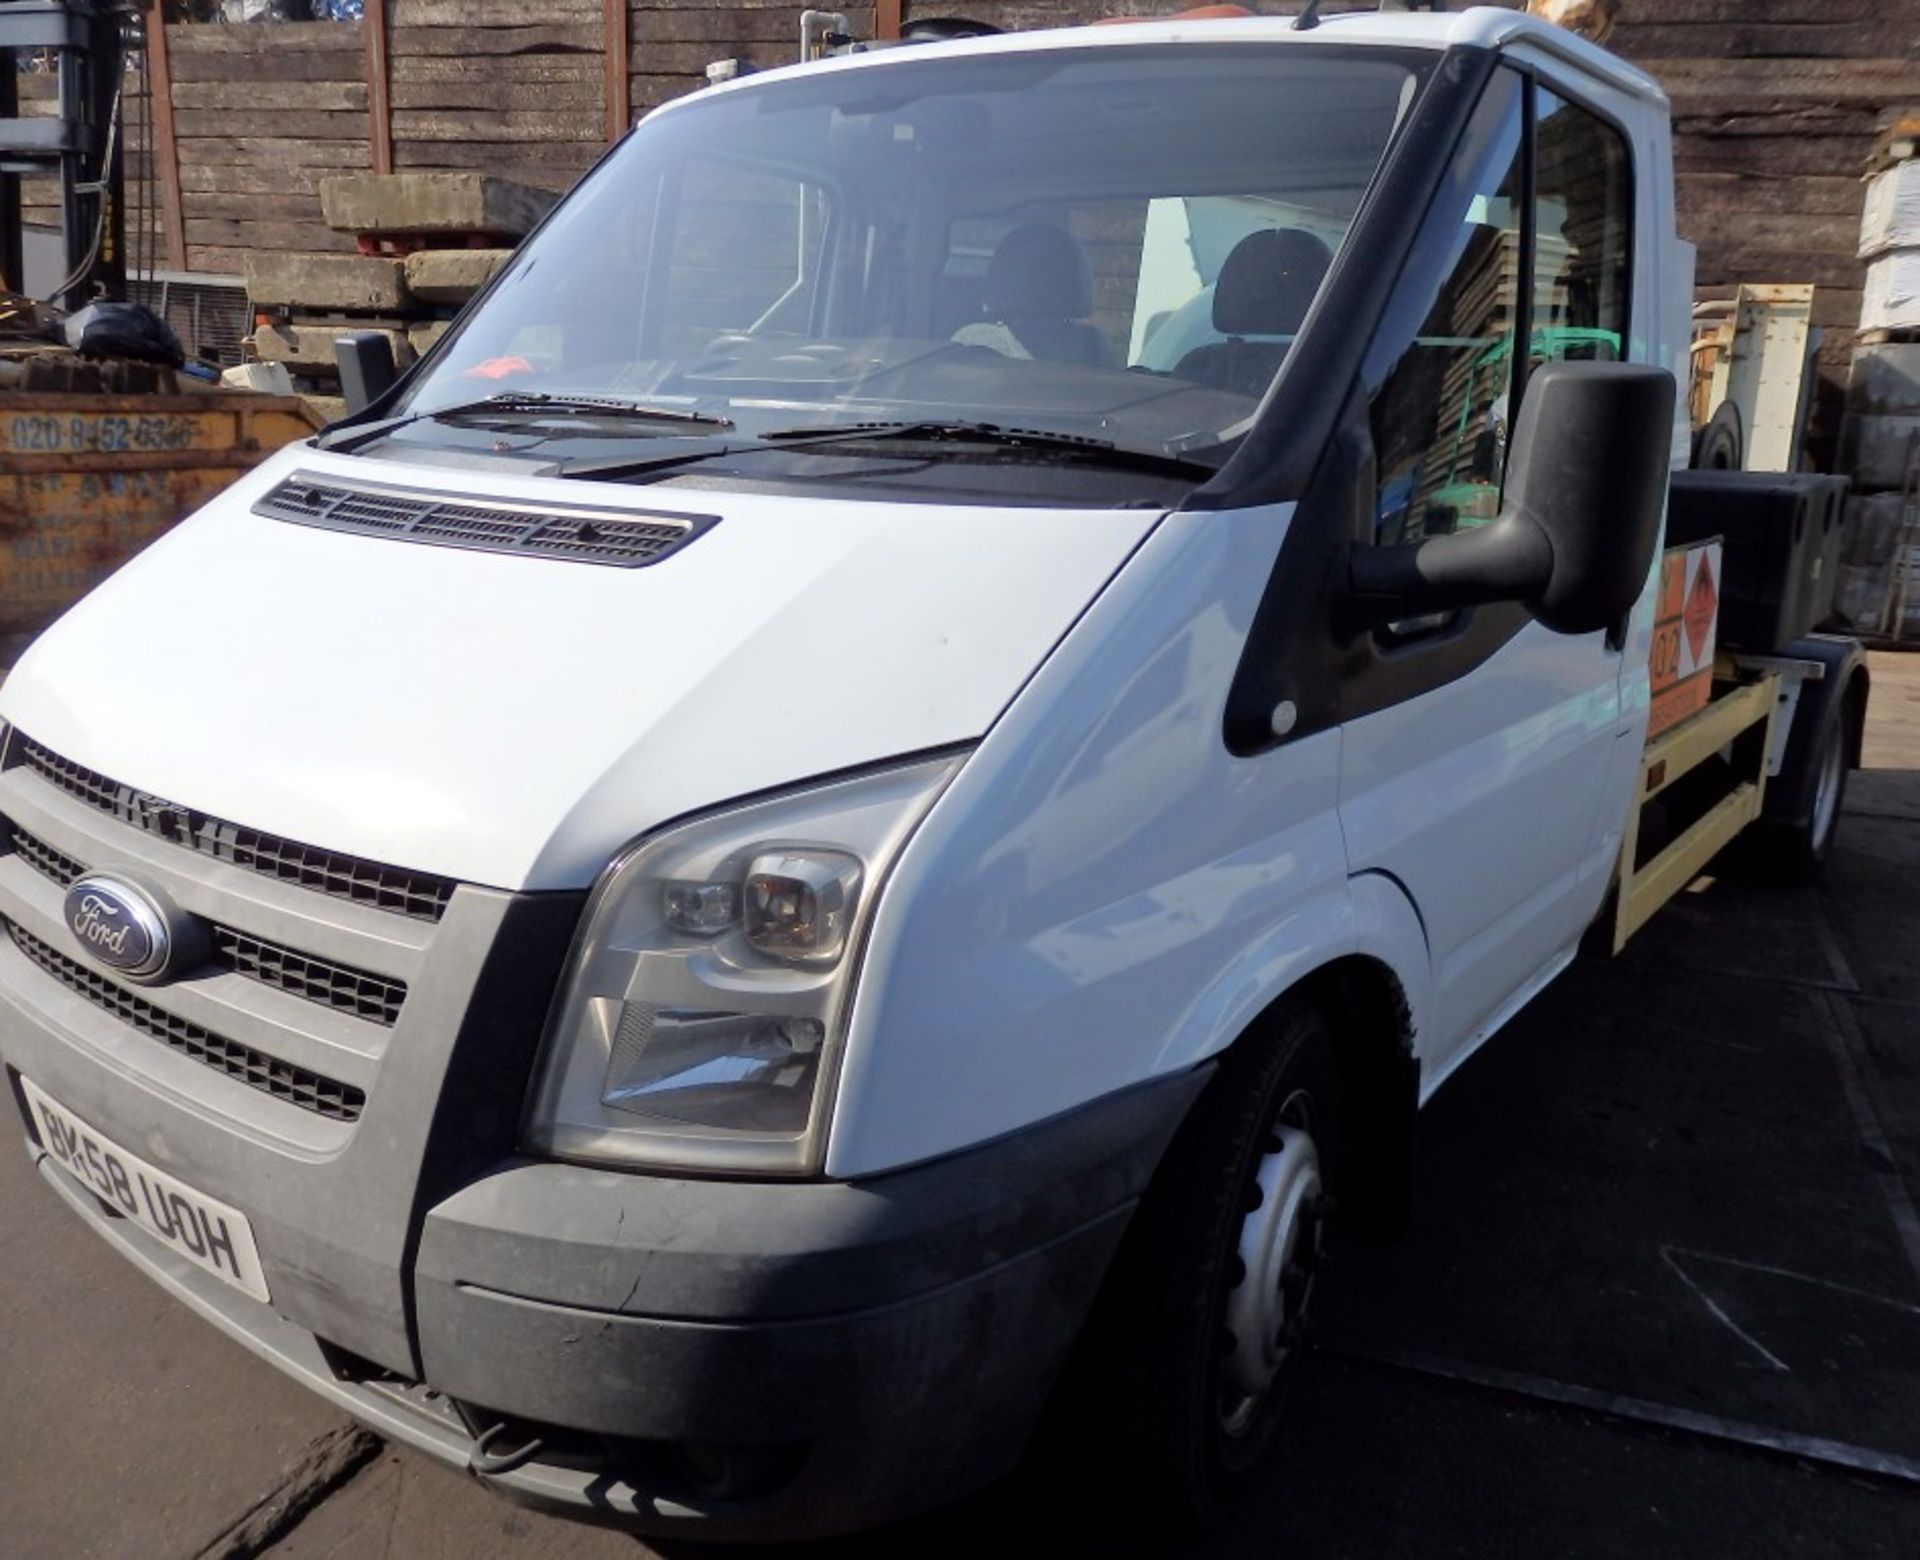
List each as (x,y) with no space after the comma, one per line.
(1703,607)
(1680,659)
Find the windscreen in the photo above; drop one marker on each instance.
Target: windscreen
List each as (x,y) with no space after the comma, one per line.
(1119,241)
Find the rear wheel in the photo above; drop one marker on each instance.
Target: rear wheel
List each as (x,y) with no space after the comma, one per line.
(1185,1375)
(1796,851)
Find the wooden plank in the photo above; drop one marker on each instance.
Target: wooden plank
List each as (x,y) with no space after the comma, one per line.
(1726,264)
(1653,41)
(1882,73)
(1785,12)
(1702,194)
(341,64)
(347,95)
(616,69)
(166,150)
(185,38)
(573,157)
(466,124)
(651,90)
(692,59)
(213,123)
(886,19)
(467,42)
(280,236)
(728,26)
(216,260)
(524,164)
(416,68)
(1780,155)
(336,155)
(253,207)
(479,15)
(254,178)
(379,88)
(1759,232)
(481,93)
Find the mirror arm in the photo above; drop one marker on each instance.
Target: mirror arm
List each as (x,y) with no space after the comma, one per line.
(1509,559)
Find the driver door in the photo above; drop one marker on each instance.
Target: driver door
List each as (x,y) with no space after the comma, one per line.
(1477,746)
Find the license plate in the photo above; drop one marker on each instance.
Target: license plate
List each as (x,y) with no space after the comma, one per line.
(209,1234)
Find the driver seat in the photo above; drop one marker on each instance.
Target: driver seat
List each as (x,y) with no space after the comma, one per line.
(1038,292)
(1265,288)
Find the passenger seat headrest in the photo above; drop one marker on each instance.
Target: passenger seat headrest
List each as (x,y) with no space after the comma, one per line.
(1039,272)
(1269,282)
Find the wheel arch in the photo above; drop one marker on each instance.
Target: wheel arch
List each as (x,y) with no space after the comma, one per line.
(1373,987)
(1859,689)
(1378,1068)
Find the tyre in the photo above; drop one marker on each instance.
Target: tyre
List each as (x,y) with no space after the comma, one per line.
(1183,1378)
(1795,852)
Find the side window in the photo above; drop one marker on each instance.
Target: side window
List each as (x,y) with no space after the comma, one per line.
(1440,416)
(1583,235)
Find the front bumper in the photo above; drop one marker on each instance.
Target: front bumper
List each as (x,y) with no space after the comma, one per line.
(736,1360)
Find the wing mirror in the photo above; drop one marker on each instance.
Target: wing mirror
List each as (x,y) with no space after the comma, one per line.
(367,369)
(1575,539)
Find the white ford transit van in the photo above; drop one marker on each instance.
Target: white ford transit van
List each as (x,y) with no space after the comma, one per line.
(859,802)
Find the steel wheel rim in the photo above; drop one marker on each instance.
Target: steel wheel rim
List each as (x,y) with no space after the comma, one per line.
(1826,791)
(1278,1257)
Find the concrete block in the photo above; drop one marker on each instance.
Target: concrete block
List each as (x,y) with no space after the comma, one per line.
(431,203)
(452,275)
(369,283)
(328,408)
(422,336)
(310,347)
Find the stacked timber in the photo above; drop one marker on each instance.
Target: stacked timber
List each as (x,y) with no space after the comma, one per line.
(424,244)
(1879,585)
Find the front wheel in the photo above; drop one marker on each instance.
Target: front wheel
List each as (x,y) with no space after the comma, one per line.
(1184,1377)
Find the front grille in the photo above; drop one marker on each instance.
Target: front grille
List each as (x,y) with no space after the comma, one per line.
(417,894)
(340,986)
(41,856)
(580,535)
(365,995)
(295,1085)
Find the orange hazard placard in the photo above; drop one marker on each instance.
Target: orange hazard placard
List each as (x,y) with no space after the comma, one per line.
(1680,667)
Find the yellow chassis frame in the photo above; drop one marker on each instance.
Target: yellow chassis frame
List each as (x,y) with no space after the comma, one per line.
(1640,892)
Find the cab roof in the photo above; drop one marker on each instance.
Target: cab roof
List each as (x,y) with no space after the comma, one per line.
(1485,27)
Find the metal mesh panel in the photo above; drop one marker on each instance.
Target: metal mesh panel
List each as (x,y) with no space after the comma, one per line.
(418,894)
(209,314)
(624,541)
(295,1085)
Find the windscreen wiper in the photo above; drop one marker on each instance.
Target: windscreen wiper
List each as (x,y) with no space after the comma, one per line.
(1044,442)
(531,403)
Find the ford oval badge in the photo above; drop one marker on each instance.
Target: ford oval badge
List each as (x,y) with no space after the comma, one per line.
(118,924)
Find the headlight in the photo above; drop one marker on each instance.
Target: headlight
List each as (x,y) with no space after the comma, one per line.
(700,1023)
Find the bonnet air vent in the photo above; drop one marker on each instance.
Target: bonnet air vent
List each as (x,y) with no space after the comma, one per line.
(610,536)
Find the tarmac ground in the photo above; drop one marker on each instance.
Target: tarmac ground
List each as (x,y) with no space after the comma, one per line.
(1661,1298)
